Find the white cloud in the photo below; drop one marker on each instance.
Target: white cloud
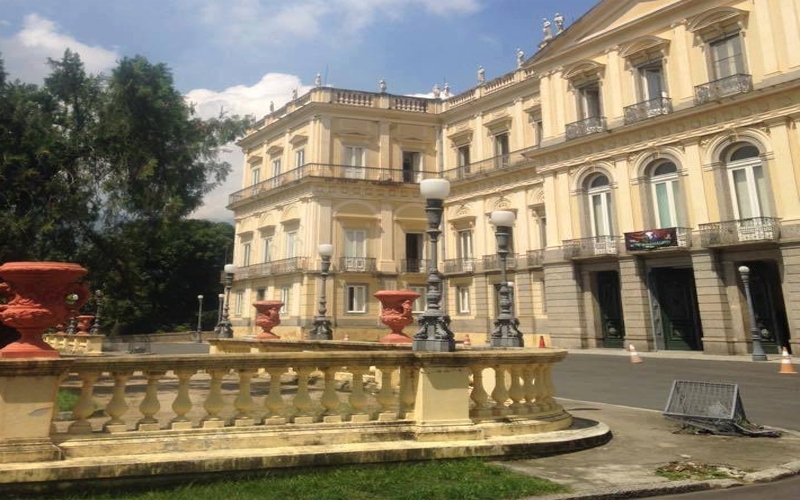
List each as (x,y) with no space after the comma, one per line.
(273,87)
(277,21)
(26,53)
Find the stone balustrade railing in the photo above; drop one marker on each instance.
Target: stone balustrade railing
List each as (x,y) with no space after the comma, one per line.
(120,398)
(75,344)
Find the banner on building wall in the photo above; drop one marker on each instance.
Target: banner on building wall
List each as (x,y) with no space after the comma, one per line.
(652,238)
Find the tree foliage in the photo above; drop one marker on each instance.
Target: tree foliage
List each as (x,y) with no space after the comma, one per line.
(104,171)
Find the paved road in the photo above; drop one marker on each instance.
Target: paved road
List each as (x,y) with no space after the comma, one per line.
(788,489)
(769,398)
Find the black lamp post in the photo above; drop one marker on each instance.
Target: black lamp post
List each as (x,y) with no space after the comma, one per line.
(98,299)
(199,319)
(506,332)
(224,327)
(755,335)
(322,324)
(434,333)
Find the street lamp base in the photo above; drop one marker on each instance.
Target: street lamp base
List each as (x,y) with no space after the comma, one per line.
(434,345)
(506,342)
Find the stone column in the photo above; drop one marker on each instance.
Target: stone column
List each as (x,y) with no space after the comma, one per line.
(28,389)
(566,317)
(713,304)
(636,304)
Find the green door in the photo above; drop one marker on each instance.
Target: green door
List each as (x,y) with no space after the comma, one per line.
(677,309)
(609,300)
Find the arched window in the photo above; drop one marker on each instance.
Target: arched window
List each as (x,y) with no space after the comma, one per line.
(748,184)
(598,192)
(666,194)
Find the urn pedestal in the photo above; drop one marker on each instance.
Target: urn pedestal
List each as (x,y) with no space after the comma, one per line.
(396,306)
(268,317)
(38,296)
(84,324)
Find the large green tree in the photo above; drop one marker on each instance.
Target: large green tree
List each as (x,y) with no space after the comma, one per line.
(103,170)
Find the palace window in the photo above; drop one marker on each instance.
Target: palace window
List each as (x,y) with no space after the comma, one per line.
(353,161)
(356,300)
(598,193)
(748,185)
(666,194)
(462,295)
(286,293)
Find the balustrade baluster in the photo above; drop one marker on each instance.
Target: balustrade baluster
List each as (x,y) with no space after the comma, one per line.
(118,405)
(214,402)
(182,403)
(274,401)
(385,396)
(150,404)
(330,400)
(244,403)
(528,373)
(408,393)
(549,390)
(539,387)
(358,399)
(84,408)
(500,393)
(515,391)
(302,399)
(479,396)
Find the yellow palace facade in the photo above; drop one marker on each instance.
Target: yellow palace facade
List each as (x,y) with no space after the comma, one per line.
(650,152)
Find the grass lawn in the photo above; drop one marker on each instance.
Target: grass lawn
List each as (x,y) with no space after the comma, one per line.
(469,479)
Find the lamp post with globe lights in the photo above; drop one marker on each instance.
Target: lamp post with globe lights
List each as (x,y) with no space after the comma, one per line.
(199,319)
(224,327)
(322,324)
(506,327)
(434,333)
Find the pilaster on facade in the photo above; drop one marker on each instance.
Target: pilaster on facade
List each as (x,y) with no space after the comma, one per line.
(635,297)
(717,312)
(566,314)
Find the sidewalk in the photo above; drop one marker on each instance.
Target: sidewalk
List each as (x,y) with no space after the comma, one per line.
(644,440)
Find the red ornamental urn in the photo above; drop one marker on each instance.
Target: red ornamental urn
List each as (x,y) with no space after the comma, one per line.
(84,324)
(396,306)
(38,296)
(268,317)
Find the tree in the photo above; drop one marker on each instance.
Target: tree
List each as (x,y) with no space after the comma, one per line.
(101,171)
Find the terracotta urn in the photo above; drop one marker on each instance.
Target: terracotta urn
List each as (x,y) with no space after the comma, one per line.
(268,317)
(84,324)
(396,308)
(38,296)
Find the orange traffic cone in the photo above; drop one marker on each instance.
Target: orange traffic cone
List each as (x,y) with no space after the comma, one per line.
(542,343)
(467,341)
(786,363)
(634,356)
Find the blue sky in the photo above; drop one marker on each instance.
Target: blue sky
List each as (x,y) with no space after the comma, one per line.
(242,54)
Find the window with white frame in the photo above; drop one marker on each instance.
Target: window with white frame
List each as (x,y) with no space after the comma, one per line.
(748,184)
(276,171)
(267,245)
(589,105)
(501,146)
(255,175)
(464,244)
(421,301)
(462,295)
(290,244)
(463,158)
(412,166)
(355,249)
(651,81)
(666,194)
(726,56)
(261,293)
(245,254)
(239,306)
(356,299)
(299,157)
(353,161)
(286,294)
(599,198)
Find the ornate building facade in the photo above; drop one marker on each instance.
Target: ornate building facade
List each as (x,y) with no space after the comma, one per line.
(649,151)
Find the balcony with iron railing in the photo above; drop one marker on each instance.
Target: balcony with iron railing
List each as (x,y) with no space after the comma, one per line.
(647,109)
(357,265)
(272,268)
(492,262)
(512,160)
(328,171)
(459,266)
(534,258)
(734,232)
(588,126)
(414,266)
(724,87)
(595,246)
(651,240)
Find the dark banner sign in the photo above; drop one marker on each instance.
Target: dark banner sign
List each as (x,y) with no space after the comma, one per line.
(652,238)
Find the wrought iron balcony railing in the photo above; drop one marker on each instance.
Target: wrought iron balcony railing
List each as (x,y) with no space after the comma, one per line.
(345,172)
(514,159)
(732,232)
(272,268)
(647,109)
(724,87)
(414,266)
(492,262)
(596,246)
(535,258)
(357,265)
(592,125)
(456,266)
